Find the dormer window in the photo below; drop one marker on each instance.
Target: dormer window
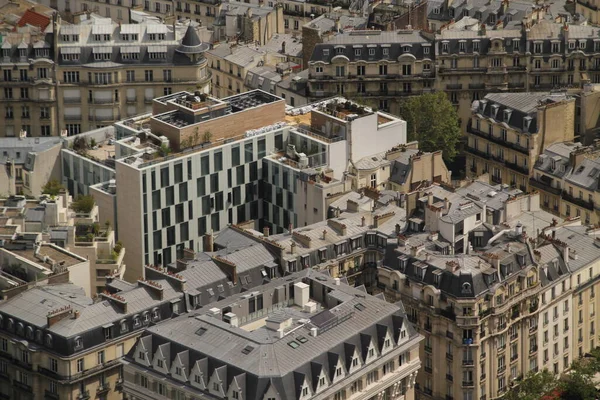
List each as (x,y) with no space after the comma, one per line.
(555,47)
(495,108)
(436,10)
(426,49)
(78,343)
(526,123)
(22,52)
(507,114)
(386,51)
(123,326)
(476,46)
(357,52)
(339,50)
(515,44)
(325,52)
(49,341)
(355,361)
(406,49)
(371,52)
(582,44)
(444,47)
(537,48)
(462,46)
(44,53)
(136,321)
(572,45)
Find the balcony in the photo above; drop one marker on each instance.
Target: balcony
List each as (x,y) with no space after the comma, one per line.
(517,168)
(72,117)
(449,356)
(467,70)
(501,369)
(103,388)
(483,376)
(51,395)
(428,349)
(467,384)
(544,186)
(429,370)
(72,100)
(468,363)
(580,202)
(533,329)
(515,146)
(477,86)
(22,386)
(496,179)
(477,152)
(449,377)
(83,395)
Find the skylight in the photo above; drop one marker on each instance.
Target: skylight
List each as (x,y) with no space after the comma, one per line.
(293,344)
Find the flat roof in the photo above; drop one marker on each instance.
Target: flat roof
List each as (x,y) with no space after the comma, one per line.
(52,252)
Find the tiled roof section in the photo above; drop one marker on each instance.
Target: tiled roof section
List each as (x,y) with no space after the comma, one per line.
(585,175)
(372,162)
(35,19)
(270,360)
(17,150)
(401,166)
(518,110)
(370,45)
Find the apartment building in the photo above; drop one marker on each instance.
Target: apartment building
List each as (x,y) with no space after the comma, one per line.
(580,240)
(28,163)
(507,131)
(401,169)
(67,345)
(28,94)
(108,71)
(297,13)
(327,26)
(229,65)
(542,56)
(198,164)
(482,308)
(379,68)
(237,67)
(49,227)
(208,181)
(88,159)
(326,341)
(566,175)
(501,13)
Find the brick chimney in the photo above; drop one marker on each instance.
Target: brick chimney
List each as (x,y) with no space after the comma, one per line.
(58,315)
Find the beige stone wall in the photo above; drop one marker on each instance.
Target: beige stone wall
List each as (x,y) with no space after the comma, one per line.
(127,98)
(230,126)
(129,206)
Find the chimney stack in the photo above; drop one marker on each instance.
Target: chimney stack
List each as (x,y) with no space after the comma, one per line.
(362,221)
(209,242)
(266,231)
(293,248)
(324,234)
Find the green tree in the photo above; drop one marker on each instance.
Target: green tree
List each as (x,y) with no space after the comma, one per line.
(533,387)
(52,187)
(432,120)
(578,383)
(83,204)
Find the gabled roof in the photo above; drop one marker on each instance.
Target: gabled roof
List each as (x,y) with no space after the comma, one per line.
(35,19)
